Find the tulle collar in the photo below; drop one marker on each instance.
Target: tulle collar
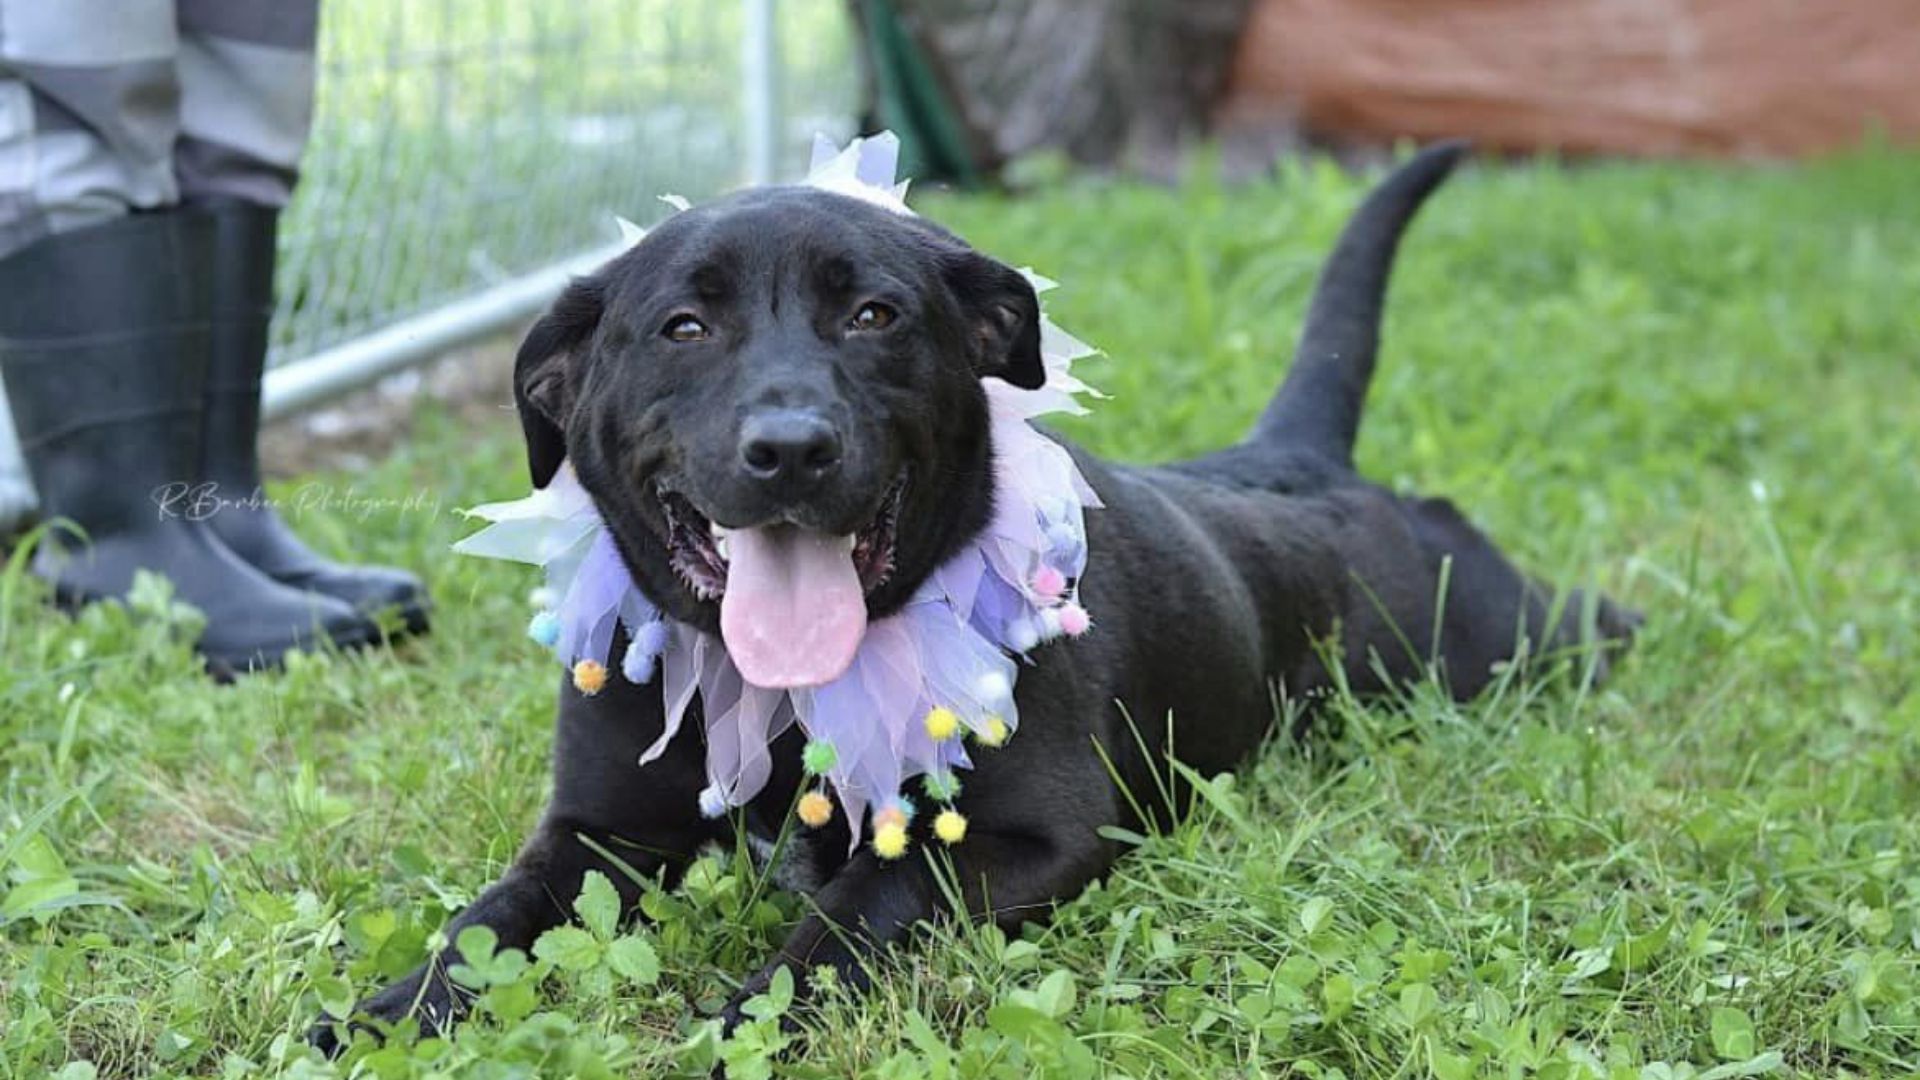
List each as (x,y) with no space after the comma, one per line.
(927,681)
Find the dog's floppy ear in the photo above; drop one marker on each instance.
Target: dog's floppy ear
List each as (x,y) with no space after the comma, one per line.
(1003,314)
(546,370)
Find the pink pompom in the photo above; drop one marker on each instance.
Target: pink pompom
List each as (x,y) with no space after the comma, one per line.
(1049,582)
(1074,619)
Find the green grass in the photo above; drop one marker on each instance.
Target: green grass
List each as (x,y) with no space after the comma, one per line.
(1694,385)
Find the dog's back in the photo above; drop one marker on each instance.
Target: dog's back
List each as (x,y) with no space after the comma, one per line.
(1236,568)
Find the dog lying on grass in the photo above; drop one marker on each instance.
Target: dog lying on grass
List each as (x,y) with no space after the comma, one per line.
(778,404)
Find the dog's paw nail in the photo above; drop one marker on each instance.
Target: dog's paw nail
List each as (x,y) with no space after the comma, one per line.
(325,1037)
(731,1016)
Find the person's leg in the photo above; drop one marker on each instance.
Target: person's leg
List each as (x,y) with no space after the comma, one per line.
(246,98)
(247,75)
(91,109)
(104,315)
(86,128)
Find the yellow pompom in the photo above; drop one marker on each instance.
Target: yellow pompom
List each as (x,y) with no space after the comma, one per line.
(950,826)
(942,724)
(815,809)
(589,676)
(890,840)
(995,733)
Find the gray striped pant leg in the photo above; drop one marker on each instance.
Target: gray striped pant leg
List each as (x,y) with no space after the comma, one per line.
(89,114)
(246,97)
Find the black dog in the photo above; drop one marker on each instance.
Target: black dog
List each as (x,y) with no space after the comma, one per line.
(790,354)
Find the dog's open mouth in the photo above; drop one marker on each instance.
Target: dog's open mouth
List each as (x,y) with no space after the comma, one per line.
(792,599)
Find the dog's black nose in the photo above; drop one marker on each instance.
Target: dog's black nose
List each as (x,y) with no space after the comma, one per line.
(789,445)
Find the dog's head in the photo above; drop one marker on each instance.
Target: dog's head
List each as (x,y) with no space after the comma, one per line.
(775,403)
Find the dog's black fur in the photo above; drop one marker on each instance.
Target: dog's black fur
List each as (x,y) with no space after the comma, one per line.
(1214,581)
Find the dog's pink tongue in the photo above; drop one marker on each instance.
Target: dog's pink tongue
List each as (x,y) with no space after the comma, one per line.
(794,612)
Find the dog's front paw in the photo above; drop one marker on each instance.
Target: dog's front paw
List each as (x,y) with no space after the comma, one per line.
(735,1014)
(761,984)
(435,1007)
(326,1036)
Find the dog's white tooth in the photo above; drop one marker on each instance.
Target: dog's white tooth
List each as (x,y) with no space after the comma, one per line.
(719,531)
(851,539)
(720,544)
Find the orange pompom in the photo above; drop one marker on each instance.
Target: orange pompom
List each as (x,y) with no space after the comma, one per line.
(589,677)
(815,809)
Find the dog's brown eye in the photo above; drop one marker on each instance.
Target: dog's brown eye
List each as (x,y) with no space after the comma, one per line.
(872,317)
(684,328)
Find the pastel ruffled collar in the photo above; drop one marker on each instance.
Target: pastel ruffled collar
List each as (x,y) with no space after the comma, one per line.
(926,678)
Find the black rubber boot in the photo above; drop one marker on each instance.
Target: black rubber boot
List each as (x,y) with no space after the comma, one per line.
(103,345)
(243,307)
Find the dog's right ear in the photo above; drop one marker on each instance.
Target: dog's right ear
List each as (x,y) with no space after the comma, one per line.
(547,370)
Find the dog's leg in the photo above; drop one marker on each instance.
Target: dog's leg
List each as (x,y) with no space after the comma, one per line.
(649,821)
(1012,876)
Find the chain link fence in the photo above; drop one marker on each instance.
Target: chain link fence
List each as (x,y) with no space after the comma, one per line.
(459,144)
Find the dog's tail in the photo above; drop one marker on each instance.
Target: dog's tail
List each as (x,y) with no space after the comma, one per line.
(1318,406)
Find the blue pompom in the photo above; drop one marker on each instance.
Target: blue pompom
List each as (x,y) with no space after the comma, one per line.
(637,666)
(643,652)
(545,628)
(652,637)
(712,803)
(1022,635)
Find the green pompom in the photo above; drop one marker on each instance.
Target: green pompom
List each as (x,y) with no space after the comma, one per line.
(941,786)
(819,757)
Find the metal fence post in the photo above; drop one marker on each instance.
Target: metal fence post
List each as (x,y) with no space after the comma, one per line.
(760,77)
(289,388)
